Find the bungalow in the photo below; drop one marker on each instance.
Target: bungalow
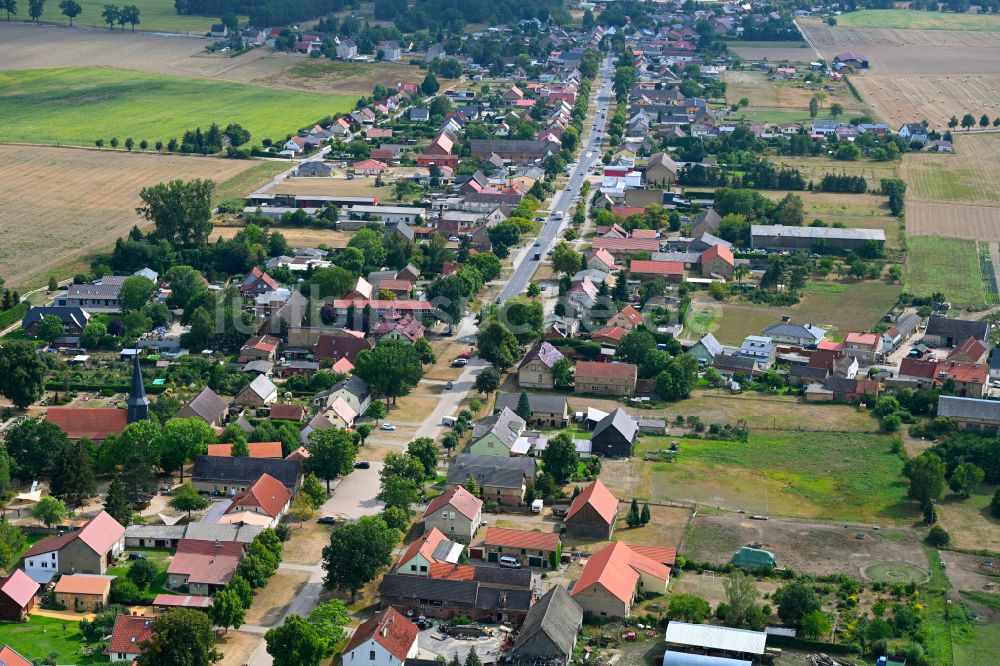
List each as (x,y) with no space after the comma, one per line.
(432,547)
(800,335)
(264,503)
(388,639)
(128,636)
(203,567)
(614,435)
(496,434)
(536,368)
(706,349)
(593,513)
(369,167)
(89,550)
(456,513)
(605,378)
(540,550)
(615,575)
(314,170)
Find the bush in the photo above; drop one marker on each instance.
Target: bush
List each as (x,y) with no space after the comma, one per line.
(124,591)
(938,537)
(142,573)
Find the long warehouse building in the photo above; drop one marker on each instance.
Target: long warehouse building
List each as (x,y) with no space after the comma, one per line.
(779,237)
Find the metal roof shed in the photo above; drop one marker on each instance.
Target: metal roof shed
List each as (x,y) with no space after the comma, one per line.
(705,636)
(671,658)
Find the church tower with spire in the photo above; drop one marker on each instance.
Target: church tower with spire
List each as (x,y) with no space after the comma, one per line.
(138,403)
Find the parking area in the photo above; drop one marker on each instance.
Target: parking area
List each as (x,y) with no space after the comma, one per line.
(354,495)
(431,643)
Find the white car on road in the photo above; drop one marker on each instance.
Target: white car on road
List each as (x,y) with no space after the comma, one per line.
(387,426)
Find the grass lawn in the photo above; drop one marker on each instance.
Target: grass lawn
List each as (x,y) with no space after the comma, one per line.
(837,306)
(814,168)
(914,20)
(39,636)
(970,522)
(948,265)
(243,184)
(978,646)
(154,15)
(159,557)
(79,105)
(762,410)
(835,476)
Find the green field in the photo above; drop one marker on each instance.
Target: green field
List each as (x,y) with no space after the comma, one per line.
(154,16)
(40,636)
(76,106)
(946,265)
(830,475)
(914,20)
(243,184)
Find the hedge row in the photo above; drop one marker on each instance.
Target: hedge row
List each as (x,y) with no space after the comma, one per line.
(775,640)
(8,317)
(97,388)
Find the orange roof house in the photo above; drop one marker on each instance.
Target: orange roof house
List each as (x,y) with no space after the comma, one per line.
(614,576)
(593,513)
(94,424)
(264,503)
(430,548)
(130,632)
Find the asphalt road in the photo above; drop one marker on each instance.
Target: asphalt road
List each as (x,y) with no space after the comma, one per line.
(562,202)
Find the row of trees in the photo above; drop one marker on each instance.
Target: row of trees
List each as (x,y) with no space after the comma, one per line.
(968,121)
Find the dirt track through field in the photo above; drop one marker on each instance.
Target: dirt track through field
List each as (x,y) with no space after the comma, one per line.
(57,204)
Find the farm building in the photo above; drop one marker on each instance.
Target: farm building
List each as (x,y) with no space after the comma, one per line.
(973,414)
(550,630)
(778,237)
(733,644)
(951,332)
(593,513)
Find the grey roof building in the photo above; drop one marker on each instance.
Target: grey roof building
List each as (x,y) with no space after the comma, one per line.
(795,334)
(707,221)
(779,237)
(550,629)
(951,332)
(614,435)
(219,473)
(505,427)
(203,531)
(972,414)
(539,402)
(207,406)
(442,597)
(74,319)
(528,466)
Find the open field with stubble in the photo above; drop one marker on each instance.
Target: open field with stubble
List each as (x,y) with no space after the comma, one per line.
(57,204)
(784,101)
(814,168)
(776,51)
(929,218)
(970,175)
(78,105)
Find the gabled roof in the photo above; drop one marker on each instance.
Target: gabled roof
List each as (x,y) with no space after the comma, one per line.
(631,315)
(267,493)
(289,412)
(505,426)
(597,496)
(647,267)
(19,587)
(616,568)
(459,499)
(244,471)
(257,450)
(207,405)
(969,408)
(10,657)
(80,422)
(711,345)
(426,545)
(261,386)
(391,630)
(99,533)
(959,329)
(544,352)
(605,370)
(971,348)
(206,562)
(84,584)
(618,420)
(712,637)
(718,251)
(538,402)
(129,633)
(558,616)
(865,339)
(512,538)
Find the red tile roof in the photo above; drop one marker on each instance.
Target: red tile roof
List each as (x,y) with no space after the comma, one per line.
(606,370)
(638,244)
(10,657)
(99,533)
(265,343)
(129,632)
(19,587)
(510,538)
(631,314)
(598,496)
(666,556)
(370,165)
(444,570)
(915,367)
(645,267)
(459,499)
(612,333)
(424,545)
(643,233)
(289,412)
(718,251)
(975,373)
(625,211)
(266,492)
(391,630)
(207,562)
(862,339)
(94,424)
(377,304)
(396,285)
(604,256)
(343,366)
(972,349)
(257,450)
(616,568)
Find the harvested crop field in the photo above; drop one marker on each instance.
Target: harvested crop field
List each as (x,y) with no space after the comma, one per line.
(926,218)
(905,18)
(812,548)
(57,204)
(935,98)
(296,237)
(783,101)
(970,175)
(79,105)
(814,168)
(780,51)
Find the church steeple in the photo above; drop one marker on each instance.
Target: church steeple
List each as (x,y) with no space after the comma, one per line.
(138,403)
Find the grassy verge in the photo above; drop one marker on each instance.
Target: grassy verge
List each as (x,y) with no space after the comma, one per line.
(41,636)
(946,265)
(79,105)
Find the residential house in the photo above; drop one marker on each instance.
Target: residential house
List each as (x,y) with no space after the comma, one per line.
(540,550)
(900,332)
(706,349)
(74,319)
(614,435)
(592,513)
(388,639)
(970,379)
(407,328)
(615,575)
(914,132)
(456,513)
(432,547)
(261,392)
(501,595)
(128,636)
(390,50)
(799,375)
(535,369)
(605,378)
(439,152)
(547,411)
(866,347)
(731,365)
(203,567)
(502,480)
(228,476)
(852,390)
(970,351)
(601,260)
(207,406)
(845,366)
(946,332)
(353,390)
(760,349)
(707,221)
(83,593)
(800,335)
(314,170)
(661,169)
(88,550)
(622,248)
(264,503)
(971,414)
(339,344)
(496,434)
(347,49)
(260,348)
(17,596)
(11,657)
(99,296)
(718,261)
(550,630)
(256,282)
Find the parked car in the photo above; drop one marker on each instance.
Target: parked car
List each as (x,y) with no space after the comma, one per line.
(387,426)
(136,556)
(327,520)
(448,386)
(362,464)
(460,363)
(454,239)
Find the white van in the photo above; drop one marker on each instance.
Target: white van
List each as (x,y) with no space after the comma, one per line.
(509,562)
(448,420)
(537,506)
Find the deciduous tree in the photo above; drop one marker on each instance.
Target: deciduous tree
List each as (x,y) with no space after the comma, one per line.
(227,610)
(561,458)
(49,510)
(392,368)
(186,498)
(296,643)
(331,454)
(180,637)
(22,373)
(181,211)
(357,553)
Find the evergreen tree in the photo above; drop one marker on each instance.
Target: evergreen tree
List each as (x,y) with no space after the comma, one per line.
(644,516)
(524,407)
(473,659)
(73,473)
(633,519)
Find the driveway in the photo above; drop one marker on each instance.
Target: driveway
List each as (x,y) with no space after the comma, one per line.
(354,495)
(431,643)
